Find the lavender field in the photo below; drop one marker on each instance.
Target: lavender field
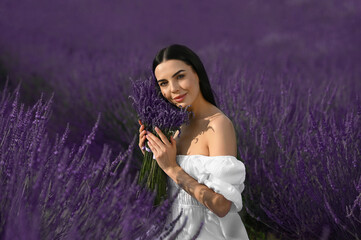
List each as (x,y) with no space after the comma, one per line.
(286,72)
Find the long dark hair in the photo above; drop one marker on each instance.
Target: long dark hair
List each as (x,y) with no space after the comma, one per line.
(183,53)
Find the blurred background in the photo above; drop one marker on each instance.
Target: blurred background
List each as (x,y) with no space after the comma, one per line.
(280,69)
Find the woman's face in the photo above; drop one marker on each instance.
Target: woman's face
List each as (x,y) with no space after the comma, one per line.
(178,82)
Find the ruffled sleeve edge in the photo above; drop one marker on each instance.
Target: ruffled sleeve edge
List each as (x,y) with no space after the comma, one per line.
(229,191)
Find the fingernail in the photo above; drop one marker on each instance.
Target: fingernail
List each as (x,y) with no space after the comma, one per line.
(156,128)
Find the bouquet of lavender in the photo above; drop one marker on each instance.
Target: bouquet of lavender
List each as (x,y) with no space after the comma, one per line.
(154,111)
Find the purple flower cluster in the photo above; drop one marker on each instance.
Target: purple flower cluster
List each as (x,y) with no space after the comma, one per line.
(50,191)
(155,111)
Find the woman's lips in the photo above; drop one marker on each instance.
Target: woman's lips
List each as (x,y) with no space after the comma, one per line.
(180,98)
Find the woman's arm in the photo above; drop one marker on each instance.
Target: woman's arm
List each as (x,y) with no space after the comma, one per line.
(215,202)
(221,137)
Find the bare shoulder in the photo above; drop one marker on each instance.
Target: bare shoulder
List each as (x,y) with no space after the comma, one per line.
(221,135)
(220,122)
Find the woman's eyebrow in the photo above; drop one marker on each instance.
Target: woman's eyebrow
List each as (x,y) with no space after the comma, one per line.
(178,72)
(172,76)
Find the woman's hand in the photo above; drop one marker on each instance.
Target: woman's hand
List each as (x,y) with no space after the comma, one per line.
(142,134)
(163,151)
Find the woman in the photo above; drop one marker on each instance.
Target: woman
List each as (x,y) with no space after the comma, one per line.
(202,160)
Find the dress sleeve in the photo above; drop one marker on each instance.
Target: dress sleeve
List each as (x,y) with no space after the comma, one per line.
(225,175)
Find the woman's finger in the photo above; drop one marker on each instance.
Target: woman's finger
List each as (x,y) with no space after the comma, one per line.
(142,133)
(152,148)
(141,128)
(162,136)
(176,134)
(156,142)
(141,141)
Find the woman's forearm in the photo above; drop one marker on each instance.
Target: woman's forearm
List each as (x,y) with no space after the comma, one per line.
(215,202)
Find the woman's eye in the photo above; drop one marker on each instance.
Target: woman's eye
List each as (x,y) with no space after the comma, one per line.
(180,76)
(162,84)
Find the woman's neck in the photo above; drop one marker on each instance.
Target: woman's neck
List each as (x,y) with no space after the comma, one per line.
(201,109)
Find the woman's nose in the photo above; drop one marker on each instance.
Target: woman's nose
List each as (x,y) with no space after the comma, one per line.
(174,87)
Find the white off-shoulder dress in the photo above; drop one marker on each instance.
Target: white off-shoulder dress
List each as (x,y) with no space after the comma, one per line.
(225,175)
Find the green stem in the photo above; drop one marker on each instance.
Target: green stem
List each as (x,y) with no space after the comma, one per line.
(156,179)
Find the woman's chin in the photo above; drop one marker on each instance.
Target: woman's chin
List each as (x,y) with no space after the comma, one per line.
(181,105)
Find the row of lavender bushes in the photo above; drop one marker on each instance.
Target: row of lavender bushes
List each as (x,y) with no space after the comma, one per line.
(50,190)
(301,147)
(299,135)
